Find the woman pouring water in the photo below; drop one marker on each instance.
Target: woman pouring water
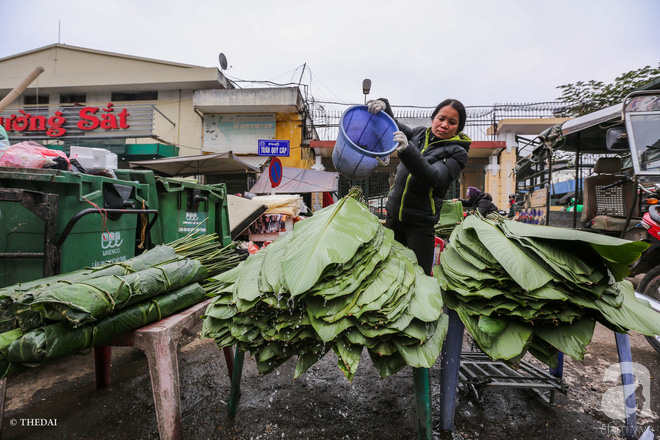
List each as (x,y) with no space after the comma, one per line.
(431,159)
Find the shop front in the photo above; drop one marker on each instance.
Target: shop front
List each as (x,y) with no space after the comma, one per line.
(117,129)
(146,109)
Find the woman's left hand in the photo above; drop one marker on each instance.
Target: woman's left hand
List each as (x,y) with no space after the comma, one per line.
(401,139)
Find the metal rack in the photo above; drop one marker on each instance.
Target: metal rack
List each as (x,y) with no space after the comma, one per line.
(477,371)
(44,206)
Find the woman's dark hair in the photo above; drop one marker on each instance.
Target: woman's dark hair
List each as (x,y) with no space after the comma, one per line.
(456,105)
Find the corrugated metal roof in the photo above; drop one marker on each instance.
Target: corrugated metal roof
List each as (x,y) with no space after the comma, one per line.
(298,181)
(253,161)
(216,163)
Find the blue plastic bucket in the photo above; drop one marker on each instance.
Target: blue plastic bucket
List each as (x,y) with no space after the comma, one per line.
(363,138)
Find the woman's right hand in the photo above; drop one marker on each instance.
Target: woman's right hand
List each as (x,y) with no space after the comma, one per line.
(375,105)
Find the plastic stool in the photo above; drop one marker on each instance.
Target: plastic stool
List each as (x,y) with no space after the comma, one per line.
(3,394)
(159,342)
(422,384)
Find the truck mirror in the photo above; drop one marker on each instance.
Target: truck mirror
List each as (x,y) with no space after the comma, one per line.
(616,139)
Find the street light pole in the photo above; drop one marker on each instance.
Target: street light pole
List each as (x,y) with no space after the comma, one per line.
(366,88)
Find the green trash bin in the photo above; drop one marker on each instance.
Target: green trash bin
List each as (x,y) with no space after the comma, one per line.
(184,206)
(147,196)
(94,222)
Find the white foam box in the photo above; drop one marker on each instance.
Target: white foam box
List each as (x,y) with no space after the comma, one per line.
(94,158)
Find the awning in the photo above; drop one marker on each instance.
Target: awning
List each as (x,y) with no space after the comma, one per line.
(254,161)
(592,119)
(297,181)
(585,133)
(217,163)
(242,213)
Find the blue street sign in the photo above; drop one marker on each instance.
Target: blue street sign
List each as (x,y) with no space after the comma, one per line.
(269,147)
(275,172)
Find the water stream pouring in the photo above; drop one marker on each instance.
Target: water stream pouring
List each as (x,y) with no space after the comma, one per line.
(363,139)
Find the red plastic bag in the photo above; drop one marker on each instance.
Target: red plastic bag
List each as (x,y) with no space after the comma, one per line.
(30,154)
(252,248)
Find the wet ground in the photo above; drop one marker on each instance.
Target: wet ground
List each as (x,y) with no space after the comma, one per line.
(321,404)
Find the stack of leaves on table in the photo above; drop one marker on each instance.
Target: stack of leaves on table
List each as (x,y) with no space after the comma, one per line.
(51,317)
(520,287)
(337,282)
(451,215)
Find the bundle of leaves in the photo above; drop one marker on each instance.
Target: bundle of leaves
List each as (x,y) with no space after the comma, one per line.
(451,215)
(91,300)
(16,299)
(51,317)
(520,287)
(90,294)
(32,348)
(337,282)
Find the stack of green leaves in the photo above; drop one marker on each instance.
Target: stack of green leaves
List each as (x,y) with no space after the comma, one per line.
(89,294)
(520,287)
(337,282)
(451,215)
(15,300)
(208,250)
(32,348)
(88,301)
(54,316)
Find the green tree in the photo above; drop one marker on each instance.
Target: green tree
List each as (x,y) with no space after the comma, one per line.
(586,97)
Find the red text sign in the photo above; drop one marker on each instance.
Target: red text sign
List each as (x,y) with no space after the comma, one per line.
(89,118)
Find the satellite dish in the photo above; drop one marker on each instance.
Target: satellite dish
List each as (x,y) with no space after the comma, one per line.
(223,61)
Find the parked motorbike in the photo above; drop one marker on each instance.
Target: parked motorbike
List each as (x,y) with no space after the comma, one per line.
(650,264)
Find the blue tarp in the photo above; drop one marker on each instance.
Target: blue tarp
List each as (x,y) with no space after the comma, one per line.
(565,187)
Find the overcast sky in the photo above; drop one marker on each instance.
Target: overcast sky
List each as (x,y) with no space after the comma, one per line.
(416,53)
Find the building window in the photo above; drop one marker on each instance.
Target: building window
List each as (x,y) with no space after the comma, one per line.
(36,100)
(73,98)
(134,96)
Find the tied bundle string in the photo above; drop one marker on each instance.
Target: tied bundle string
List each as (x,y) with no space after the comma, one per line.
(143,233)
(168,282)
(101,293)
(104,218)
(154,303)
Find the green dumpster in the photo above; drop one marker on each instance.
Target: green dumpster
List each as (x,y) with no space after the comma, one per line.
(184,206)
(54,221)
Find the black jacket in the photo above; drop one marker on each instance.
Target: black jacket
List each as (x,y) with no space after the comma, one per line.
(428,167)
(483,203)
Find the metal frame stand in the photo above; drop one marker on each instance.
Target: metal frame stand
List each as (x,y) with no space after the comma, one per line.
(451,360)
(44,206)
(450,365)
(422,387)
(478,371)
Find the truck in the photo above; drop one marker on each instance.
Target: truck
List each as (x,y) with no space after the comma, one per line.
(614,156)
